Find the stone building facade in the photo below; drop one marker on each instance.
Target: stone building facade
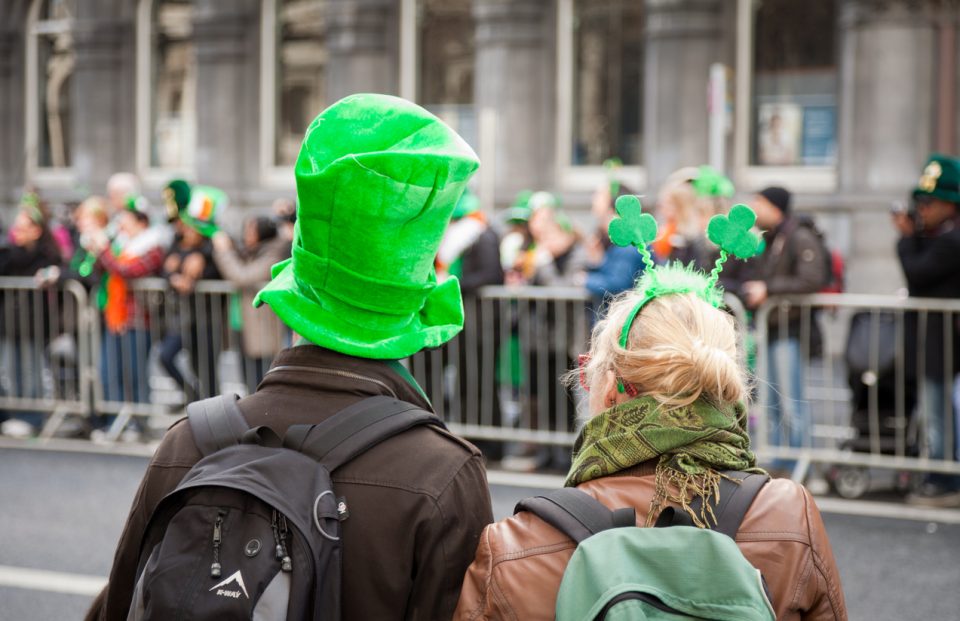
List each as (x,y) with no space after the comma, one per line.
(839,100)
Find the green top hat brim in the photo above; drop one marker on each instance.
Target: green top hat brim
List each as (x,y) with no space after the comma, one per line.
(339,325)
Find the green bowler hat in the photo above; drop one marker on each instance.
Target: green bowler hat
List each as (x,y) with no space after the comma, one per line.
(940,179)
(377,181)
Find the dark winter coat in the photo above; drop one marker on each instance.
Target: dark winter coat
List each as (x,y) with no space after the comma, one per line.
(931,266)
(794,262)
(418,501)
(481,264)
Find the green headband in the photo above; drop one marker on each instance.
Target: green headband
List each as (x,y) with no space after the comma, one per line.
(732,233)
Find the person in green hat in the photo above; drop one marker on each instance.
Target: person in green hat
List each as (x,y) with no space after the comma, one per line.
(929,251)
(195,317)
(377,179)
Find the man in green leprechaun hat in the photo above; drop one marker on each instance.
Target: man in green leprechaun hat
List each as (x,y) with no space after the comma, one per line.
(929,251)
(377,180)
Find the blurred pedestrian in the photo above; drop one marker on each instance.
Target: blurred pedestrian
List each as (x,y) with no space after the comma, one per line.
(689,198)
(248,268)
(136,252)
(285,214)
(470,251)
(122,187)
(929,251)
(516,243)
(559,258)
(794,262)
(193,322)
(28,250)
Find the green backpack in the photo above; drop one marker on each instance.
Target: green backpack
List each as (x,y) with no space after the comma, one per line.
(621,572)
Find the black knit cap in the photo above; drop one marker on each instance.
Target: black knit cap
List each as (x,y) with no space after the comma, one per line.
(778,197)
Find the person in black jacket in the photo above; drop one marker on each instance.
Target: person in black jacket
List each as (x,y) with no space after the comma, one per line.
(929,251)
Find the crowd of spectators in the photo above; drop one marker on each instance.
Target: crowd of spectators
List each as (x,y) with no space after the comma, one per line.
(108,243)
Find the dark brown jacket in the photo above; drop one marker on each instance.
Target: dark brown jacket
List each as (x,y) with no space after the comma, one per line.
(521,559)
(417,501)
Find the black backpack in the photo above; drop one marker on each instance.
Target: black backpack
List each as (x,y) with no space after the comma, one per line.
(253,529)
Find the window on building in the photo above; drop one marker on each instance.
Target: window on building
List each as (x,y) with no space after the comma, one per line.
(55,60)
(301,62)
(608,74)
(174,79)
(795,83)
(446,60)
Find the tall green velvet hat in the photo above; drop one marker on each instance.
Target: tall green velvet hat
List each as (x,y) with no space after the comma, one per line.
(377,180)
(940,179)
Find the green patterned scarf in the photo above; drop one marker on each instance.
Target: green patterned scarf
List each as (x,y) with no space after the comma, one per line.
(692,443)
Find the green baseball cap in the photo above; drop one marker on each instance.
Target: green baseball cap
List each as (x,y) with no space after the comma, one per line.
(940,179)
(377,181)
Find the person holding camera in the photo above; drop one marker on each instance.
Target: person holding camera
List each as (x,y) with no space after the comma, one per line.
(929,251)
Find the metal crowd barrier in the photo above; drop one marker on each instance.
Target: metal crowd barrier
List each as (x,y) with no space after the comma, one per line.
(42,345)
(180,347)
(499,379)
(845,381)
(848,375)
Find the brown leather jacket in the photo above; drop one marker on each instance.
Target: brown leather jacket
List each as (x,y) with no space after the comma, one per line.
(521,559)
(418,501)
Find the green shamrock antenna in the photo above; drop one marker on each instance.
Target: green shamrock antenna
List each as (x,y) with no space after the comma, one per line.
(733,235)
(633,227)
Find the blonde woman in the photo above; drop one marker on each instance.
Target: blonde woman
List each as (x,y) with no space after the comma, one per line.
(666,413)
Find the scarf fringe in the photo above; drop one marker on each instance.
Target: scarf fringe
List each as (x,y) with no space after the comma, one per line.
(682,488)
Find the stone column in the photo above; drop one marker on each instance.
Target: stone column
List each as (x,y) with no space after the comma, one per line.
(226,38)
(514,79)
(363,47)
(683,38)
(12,27)
(886,125)
(103,92)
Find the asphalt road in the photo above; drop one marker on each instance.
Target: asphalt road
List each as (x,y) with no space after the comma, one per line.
(63,512)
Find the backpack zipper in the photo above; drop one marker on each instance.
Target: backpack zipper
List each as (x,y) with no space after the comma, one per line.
(336,372)
(279,526)
(217,538)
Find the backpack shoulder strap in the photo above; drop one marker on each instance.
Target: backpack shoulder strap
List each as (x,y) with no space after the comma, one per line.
(735,500)
(575,513)
(357,429)
(216,423)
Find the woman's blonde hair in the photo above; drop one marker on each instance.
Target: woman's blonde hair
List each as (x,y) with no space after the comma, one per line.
(679,349)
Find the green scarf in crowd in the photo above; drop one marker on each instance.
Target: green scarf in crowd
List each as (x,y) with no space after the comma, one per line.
(692,445)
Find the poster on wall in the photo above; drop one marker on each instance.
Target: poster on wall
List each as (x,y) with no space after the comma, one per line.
(779,134)
(819,135)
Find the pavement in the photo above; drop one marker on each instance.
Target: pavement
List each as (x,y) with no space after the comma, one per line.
(61,513)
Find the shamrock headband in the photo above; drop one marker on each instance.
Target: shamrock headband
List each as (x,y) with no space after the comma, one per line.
(730,232)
